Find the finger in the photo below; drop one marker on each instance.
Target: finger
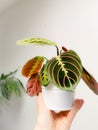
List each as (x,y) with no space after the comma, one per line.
(41,106)
(40,101)
(43,113)
(75,108)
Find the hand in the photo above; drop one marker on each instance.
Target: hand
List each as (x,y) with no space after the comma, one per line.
(50,120)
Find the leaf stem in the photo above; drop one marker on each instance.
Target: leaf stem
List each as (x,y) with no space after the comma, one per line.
(57,49)
(45,58)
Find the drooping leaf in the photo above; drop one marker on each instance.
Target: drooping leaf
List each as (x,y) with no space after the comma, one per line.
(11,74)
(65,70)
(33,85)
(10,85)
(4,89)
(43,76)
(32,66)
(39,41)
(2,76)
(90,81)
(21,84)
(14,86)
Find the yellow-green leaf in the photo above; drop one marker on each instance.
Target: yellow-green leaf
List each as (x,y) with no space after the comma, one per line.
(39,41)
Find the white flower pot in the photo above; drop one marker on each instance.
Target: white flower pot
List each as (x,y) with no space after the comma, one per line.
(57,99)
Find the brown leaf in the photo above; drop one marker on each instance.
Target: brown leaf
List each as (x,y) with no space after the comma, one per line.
(33,85)
(90,81)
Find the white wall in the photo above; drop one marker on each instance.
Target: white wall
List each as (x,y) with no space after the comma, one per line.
(73,24)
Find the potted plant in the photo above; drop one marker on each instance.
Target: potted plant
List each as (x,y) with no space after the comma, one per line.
(59,73)
(10,85)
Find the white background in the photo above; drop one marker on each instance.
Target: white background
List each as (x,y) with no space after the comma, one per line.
(71,23)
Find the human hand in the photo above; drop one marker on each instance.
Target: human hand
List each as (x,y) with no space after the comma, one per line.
(50,120)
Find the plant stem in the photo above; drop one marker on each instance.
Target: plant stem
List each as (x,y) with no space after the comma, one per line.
(57,49)
(45,58)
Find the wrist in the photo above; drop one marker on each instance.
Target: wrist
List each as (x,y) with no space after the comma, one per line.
(40,127)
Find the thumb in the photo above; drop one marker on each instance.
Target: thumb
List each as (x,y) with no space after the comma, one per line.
(41,106)
(75,108)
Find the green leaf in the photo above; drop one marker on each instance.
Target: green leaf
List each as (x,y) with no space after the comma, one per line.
(65,70)
(39,41)
(43,76)
(2,76)
(14,86)
(11,74)
(21,84)
(9,85)
(4,89)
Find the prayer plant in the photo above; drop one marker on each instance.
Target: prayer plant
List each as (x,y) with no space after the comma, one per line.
(10,85)
(64,70)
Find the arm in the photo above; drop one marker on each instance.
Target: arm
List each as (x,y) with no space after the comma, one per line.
(50,120)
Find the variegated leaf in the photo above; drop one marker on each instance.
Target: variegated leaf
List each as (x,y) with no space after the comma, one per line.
(43,76)
(65,70)
(32,66)
(39,41)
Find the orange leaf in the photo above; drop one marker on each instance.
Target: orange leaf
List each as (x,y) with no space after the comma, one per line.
(32,66)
